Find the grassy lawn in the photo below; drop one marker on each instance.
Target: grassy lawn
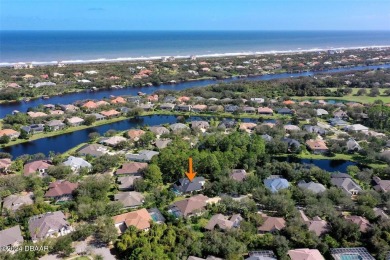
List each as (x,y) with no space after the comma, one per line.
(351,97)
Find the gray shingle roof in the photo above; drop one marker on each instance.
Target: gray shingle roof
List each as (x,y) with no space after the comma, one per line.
(11,236)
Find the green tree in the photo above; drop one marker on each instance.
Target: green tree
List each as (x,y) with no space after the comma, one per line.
(89,120)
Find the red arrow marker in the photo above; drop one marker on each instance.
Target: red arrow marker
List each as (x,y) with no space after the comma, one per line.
(190,174)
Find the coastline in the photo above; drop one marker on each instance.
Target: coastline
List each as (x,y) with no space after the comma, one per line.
(183,57)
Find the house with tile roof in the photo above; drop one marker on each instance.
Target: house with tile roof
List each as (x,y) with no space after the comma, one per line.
(363,223)
(131,199)
(11,237)
(140,219)
(131,168)
(10,133)
(141,156)
(271,224)
(113,140)
(5,164)
(15,201)
(193,206)
(135,134)
(184,185)
(224,222)
(381,185)
(265,111)
(316,225)
(75,121)
(276,184)
(317,146)
(76,163)
(95,150)
(312,186)
(61,190)
(50,224)
(39,167)
(110,113)
(305,254)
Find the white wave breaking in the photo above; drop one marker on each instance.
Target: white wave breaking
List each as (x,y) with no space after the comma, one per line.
(208,55)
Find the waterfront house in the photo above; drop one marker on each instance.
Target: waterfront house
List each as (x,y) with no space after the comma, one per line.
(353,146)
(317,146)
(75,121)
(110,113)
(135,134)
(11,238)
(345,183)
(51,224)
(39,167)
(223,222)
(98,116)
(141,156)
(265,111)
(238,175)
(132,168)
(199,108)
(69,108)
(76,163)
(276,184)
(285,111)
(33,129)
(271,224)
(291,143)
(113,140)
(12,134)
(247,126)
(118,100)
(5,164)
(184,185)
(146,107)
(36,114)
(90,105)
(178,127)
(231,108)
(193,206)
(201,125)
(305,253)
(127,182)
(131,199)
(215,109)
(312,186)
(95,150)
(184,108)
(55,125)
(167,106)
(249,110)
(43,84)
(140,219)
(227,124)
(61,190)
(15,201)
(159,130)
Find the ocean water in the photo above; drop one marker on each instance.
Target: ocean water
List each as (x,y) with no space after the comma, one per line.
(84,46)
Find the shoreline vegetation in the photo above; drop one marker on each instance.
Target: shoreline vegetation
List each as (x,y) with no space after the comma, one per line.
(30,80)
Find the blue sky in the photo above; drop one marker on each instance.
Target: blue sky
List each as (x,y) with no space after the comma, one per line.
(194,15)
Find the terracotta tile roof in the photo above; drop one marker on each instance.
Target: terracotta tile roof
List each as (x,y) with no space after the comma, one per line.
(265,110)
(109,113)
(131,168)
(134,134)
(118,100)
(8,132)
(60,188)
(305,254)
(363,223)
(32,167)
(36,114)
(5,163)
(90,104)
(271,224)
(316,145)
(139,219)
(190,205)
(288,102)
